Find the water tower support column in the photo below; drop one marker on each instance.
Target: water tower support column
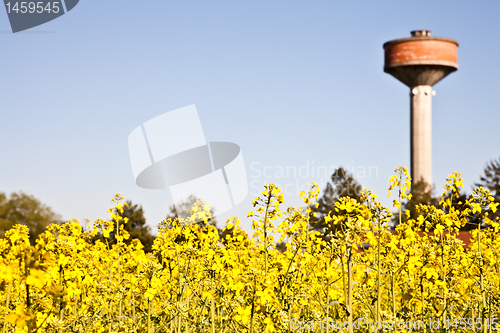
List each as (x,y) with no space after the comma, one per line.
(421,133)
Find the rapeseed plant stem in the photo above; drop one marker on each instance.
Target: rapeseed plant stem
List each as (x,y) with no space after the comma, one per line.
(7,307)
(393,295)
(253,304)
(118,262)
(481,264)
(379,235)
(349,272)
(149,316)
(268,202)
(344,284)
(212,314)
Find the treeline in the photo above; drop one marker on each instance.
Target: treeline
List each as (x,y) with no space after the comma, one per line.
(343,184)
(25,209)
(21,208)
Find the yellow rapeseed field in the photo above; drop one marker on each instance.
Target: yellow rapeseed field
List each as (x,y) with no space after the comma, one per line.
(405,281)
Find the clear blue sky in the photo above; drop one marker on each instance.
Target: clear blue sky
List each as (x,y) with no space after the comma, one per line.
(291,82)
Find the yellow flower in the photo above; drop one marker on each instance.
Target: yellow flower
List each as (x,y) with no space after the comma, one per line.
(18,317)
(37,278)
(6,273)
(150,293)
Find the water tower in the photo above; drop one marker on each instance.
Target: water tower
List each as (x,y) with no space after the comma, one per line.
(420,62)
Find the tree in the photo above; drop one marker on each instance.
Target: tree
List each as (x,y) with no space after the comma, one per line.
(343,185)
(21,208)
(183,209)
(491,180)
(136,227)
(422,194)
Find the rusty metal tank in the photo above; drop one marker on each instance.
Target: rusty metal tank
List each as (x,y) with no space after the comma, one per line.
(420,59)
